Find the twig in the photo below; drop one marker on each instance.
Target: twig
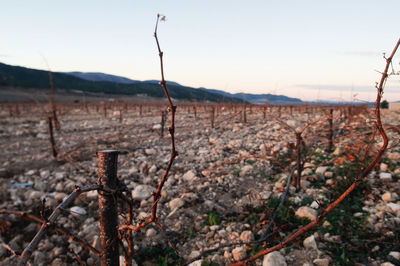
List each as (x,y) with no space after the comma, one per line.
(27,253)
(57,228)
(171,129)
(76,257)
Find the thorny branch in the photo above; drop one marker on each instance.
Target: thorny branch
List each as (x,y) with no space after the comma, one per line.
(356,183)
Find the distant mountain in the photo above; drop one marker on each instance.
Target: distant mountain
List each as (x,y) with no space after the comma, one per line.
(21,77)
(98,76)
(259,98)
(252,98)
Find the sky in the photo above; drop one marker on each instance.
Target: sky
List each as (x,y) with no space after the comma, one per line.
(309,49)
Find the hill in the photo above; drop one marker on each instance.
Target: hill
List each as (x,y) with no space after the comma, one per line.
(259,98)
(27,78)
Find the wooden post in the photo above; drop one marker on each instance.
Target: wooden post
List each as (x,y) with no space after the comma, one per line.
(51,137)
(107,163)
(330,133)
(296,180)
(212,116)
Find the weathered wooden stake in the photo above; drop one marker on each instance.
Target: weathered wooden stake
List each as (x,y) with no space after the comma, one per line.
(212,116)
(296,180)
(51,137)
(107,163)
(330,133)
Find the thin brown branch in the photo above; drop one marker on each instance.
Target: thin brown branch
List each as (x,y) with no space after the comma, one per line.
(27,253)
(55,227)
(171,129)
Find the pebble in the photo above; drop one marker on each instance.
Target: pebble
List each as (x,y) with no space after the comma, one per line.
(321,170)
(310,243)
(395,254)
(151,232)
(274,259)
(176,203)
(239,253)
(321,262)
(387,197)
(394,207)
(77,211)
(385,177)
(247,236)
(307,212)
(142,192)
(189,176)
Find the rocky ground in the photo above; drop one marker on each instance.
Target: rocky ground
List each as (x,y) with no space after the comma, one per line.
(223,187)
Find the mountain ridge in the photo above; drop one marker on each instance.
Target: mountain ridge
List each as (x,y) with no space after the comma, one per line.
(97,82)
(247,97)
(22,77)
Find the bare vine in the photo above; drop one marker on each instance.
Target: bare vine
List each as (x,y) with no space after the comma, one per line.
(356,183)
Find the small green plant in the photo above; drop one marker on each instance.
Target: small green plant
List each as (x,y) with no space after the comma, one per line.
(306,201)
(190,233)
(236,172)
(213,218)
(207,263)
(251,162)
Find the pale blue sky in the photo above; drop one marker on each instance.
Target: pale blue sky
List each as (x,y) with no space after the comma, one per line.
(306,49)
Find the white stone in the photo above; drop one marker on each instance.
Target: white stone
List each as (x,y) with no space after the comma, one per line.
(321,170)
(307,212)
(310,243)
(274,259)
(76,210)
(338,151)
(92,194)
(196,263)
(383,167)
(142,192)
(394,207)
(189,176)
(194,254)
(176,203)
(150,151)
(387,197)
(387,264)
(247,236)
(239,253)
(308,165)
(153,169)
(60,196)
(328,174)
(314,205)
(31,172)
(151,232)
(395,254)
(157,127)
(321,262)
(384,176)
(291,123)
(246,170)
